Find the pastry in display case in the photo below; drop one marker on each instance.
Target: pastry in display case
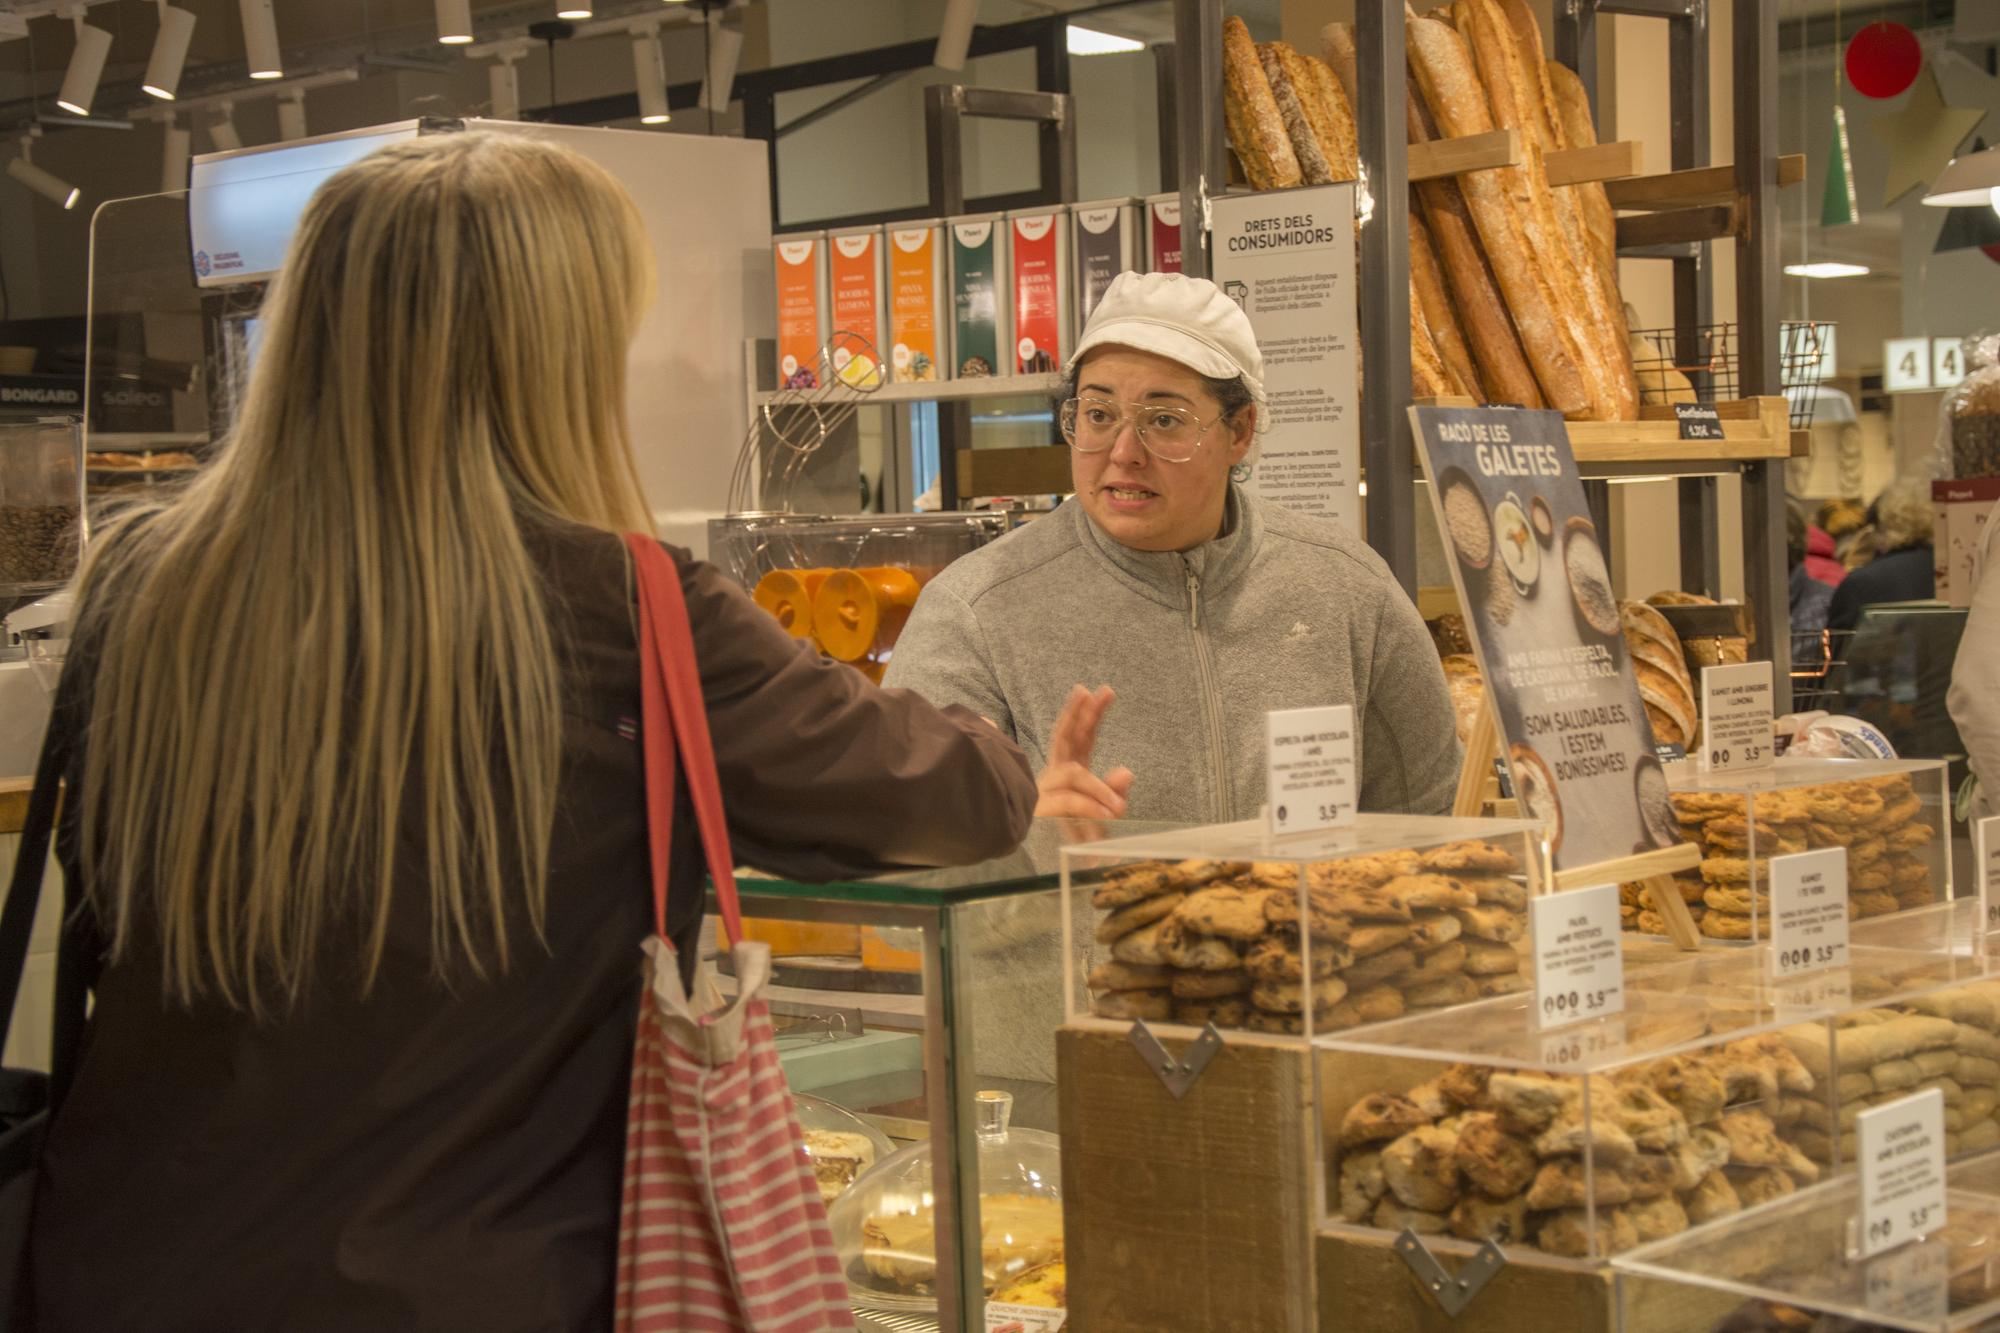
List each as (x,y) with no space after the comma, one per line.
(885,1227)
(1284,936)
(1891,816)
(839,1144)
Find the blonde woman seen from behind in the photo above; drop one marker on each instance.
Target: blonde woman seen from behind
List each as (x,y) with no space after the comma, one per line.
(361,834)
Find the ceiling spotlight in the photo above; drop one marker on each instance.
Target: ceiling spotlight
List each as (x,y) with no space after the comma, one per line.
(170,50)
(86,67)
(649,73)
(503,86)
(292,117)
(1091,42)
(51,187)
(260,39)
(955,34)
(222,135)
(454,21)
(174,158)
(1970,179)
(573,9)
(725,52)
(1827,269)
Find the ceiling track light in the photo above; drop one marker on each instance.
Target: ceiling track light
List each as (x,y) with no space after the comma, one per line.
(955,34)
(86,67)
(222,135)
(573,9)
(292,117)
(46,184)
(170,50)
(725,52)
(649,75)
(260,39)
(454,19)
(174,153)
(503,86)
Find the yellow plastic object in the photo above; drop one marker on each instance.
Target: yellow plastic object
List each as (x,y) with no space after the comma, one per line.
(878,956)
(792,939)
(788,595)
(859,611)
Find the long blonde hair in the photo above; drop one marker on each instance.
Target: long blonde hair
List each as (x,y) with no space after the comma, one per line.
(337,623)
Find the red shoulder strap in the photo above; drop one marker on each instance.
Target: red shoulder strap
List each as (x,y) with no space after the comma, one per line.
(673,717)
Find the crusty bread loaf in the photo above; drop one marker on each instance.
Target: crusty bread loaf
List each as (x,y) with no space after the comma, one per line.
(1497,201)
(1428,377)
(1290,84)
(1553,228)
(1427,289)
(1337,41)
(1528,44)
(1256,128)
(1332,114)
(1573,111)
(1660,381)
(1505,375)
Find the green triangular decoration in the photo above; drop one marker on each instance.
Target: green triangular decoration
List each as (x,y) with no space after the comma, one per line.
(1837,207)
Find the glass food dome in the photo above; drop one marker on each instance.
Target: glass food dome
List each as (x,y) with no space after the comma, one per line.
(839,1144)
(887,1235)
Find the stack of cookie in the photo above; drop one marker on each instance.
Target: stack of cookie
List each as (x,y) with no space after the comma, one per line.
(1222,942)
(1512,1157)
(1879,820)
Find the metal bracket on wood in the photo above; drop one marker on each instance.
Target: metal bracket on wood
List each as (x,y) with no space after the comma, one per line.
(1182,1074)
(1452,1291)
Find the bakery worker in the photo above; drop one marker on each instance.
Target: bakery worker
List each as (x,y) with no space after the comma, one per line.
(1200,607)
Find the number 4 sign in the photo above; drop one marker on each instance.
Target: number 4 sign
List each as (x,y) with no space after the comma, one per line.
(1906,364)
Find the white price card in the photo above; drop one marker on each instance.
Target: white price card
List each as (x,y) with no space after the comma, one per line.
(1808,912)
(1986,858)
(1901,1156)
(1003,1317)
(1579,961)
(1736,717)
(1309,775)
(1906,364)
(1947,362)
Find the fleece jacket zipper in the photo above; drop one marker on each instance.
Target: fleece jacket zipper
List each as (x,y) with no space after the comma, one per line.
(1221,802)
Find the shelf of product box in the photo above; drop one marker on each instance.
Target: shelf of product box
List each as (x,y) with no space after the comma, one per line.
(1799,1254)
(941,391)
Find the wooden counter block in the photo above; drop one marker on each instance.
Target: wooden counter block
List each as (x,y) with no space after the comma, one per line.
(1189,1216)
(14,803)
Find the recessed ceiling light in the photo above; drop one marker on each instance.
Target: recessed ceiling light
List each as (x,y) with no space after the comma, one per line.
(1827,270)
(1091,42)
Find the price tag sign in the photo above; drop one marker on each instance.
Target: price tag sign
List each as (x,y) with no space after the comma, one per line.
(1901,1156)
(1007,1318)
(1947,362)
(1309,774)
(1579,962)
(1736,716)
(1986,856)
(1699,421)
(1571,1047)
(1906,364)
(1808,912)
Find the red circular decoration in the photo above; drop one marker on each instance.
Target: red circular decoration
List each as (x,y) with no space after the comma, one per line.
(1883,59)
(1992,251)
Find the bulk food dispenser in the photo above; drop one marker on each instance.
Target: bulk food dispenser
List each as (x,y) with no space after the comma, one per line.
(41,508)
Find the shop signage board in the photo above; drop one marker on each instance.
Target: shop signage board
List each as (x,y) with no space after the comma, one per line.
(1545,625)
(1309,768)
(1699,421)
(1901,1158)
(1808,912)
(1736,717)
(1986,855)
(1287,257)
(1579,959)
(1906,364)
(1947,362)
(1002,1317)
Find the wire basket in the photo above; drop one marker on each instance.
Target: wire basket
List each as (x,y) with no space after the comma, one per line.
(1699,364)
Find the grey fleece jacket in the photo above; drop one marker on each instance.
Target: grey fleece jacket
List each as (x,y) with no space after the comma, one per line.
(1280,611)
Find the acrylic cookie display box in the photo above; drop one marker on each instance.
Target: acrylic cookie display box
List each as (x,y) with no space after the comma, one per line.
(1891,816)
(1309,933)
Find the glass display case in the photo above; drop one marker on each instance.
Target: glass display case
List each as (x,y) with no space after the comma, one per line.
(1893,818)
(924,1066)
(1227,925)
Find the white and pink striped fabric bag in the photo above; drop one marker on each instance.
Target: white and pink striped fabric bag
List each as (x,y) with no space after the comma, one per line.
(722,1226)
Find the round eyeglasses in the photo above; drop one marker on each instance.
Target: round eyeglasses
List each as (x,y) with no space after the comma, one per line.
(1170,434)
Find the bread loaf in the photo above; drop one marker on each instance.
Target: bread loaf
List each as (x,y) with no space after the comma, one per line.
(1256,128)
(1428,290)
(1290,83)
(1428,377)
(1322,104)
(1573,112)
(1443,67)
(1334,120)
(1337,41)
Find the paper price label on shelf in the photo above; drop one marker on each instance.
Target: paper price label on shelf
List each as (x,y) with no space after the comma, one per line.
(1913,1283)
(1309,774)
(1736,717)
(1808,912)
(1579,962)
(1901,1156)
(1986,857)
(1699,421)
(1002,1317)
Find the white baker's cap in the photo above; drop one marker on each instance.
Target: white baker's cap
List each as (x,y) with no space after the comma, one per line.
(1184,319)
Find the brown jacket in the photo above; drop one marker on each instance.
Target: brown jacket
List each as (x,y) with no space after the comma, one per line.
(447,1158)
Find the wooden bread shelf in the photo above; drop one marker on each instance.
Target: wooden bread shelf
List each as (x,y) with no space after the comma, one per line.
(1502,148)
(1694,188)
(1710,222)
(1605,162)
(1754,429)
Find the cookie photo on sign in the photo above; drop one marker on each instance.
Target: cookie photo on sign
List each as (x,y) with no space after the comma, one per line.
(1589,578)
(1471,527)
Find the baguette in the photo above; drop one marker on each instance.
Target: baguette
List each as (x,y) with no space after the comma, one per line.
(1257,129)
(1291,84)
(1428,376)
(1502,363)
(1337,40)
(1596,224)
(1332,113)
(1428,291)
(1444,72)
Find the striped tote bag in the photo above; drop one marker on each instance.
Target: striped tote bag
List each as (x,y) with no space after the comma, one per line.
(722,1226)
